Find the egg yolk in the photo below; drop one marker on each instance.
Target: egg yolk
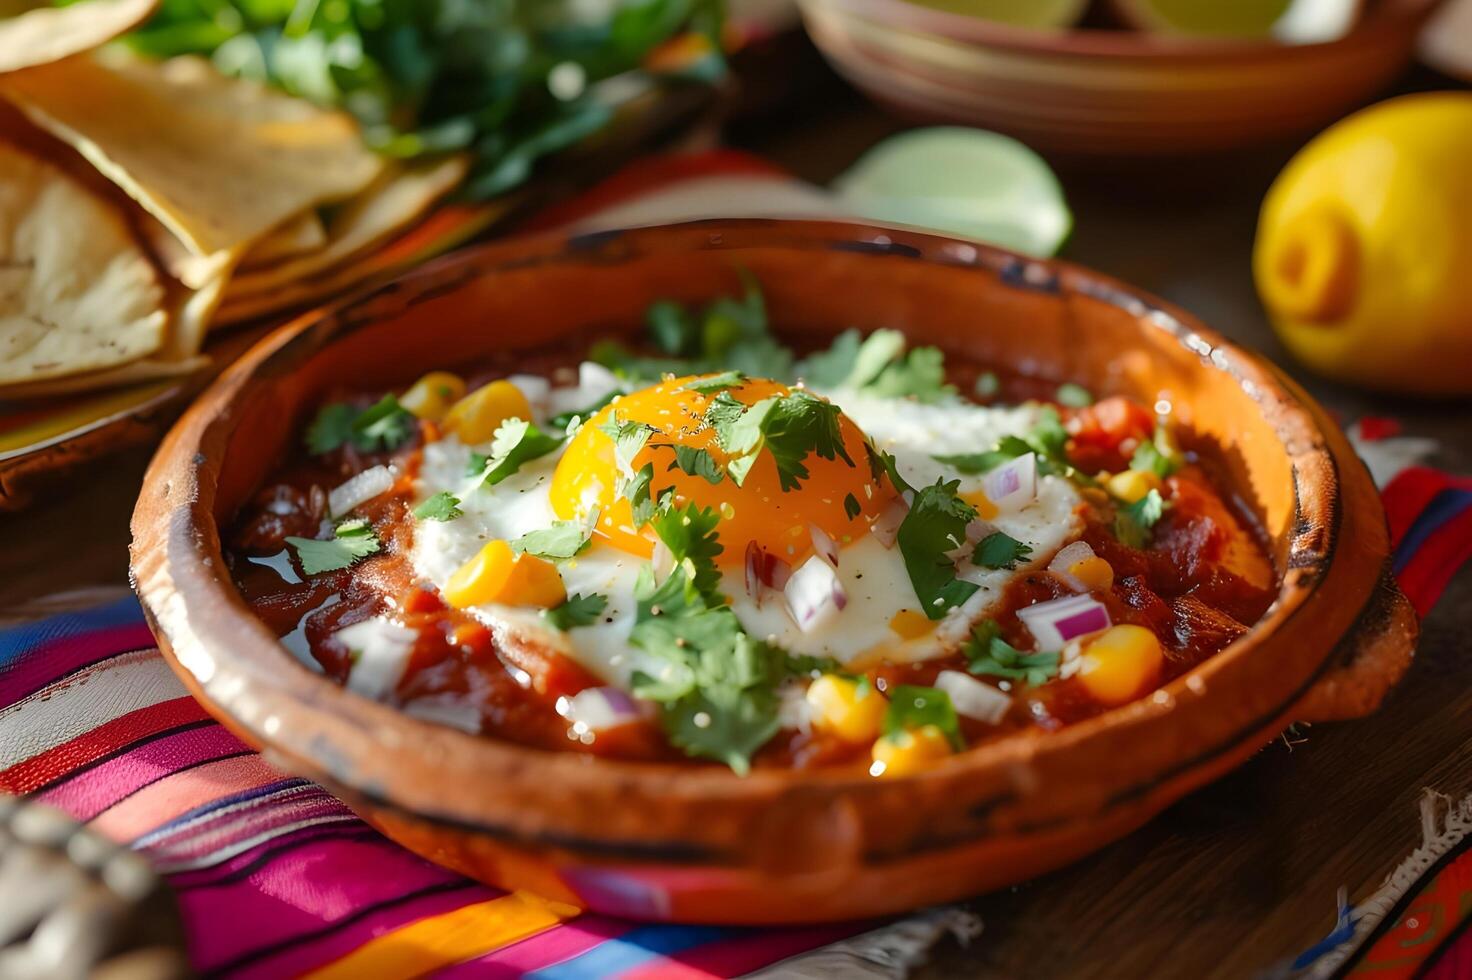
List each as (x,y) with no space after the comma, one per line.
(587,478)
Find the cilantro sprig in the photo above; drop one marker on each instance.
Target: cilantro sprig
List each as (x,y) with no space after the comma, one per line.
(987,654)
(879,364)
(443,506)
(577,610)
(1134,522)
(561,541)
(383,426)
(516,442)
(934,527)
(999,550)
(790,427)
(351,540)
(1149,458)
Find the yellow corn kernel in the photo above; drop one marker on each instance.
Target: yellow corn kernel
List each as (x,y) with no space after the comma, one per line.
(498,574)
(985,509)
(848,709)
(477,416)
(1120,664)
(1132,485)
(908,751)
(432,395)
(1094,572)
(911,623)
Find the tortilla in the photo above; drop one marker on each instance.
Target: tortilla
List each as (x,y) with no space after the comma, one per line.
(43,33)
(77,292)
(218,161)
(304,233)
(397,199)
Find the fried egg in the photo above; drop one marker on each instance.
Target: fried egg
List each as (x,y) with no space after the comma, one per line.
(840,497)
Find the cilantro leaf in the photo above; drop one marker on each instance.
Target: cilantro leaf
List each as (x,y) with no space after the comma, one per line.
(911,706)
(1148,458)
(697,462)
(641,501)
(672,328)
(974,464)
(561,541)
(999,550)
(990,655)
(443,506)
(332,427)
(920,374)
(879,364)
(934,526)
(516,441)
(690,534)
(788,426)
(629,439)
(1073,395)
(1132,523)
(351,540)
(884,464)
(577,610)
(851,506)
(475,463)
(385,425)
(726,379)
(562,420)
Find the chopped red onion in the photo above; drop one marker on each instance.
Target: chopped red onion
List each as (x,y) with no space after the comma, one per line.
(824,545)
(595,709)
(1066,558)
(382,649)
(1057,621)
(973,698)
(764,570)
(887,525)
(979,529)
(1014,483)
(814,594)
(360,489)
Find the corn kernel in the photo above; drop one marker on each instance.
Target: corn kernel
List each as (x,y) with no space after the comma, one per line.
(498,574)
(1120,663)
(985,509)
(1132,485)
(911,623)
(1094,572)
(908,751)
(850,710)
(432,395)
(477,416)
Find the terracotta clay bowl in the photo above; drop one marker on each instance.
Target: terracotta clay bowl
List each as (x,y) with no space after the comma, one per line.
(696,843)
(1109,92)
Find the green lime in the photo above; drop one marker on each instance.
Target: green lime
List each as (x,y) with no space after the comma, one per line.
(1019,13)
(967,182)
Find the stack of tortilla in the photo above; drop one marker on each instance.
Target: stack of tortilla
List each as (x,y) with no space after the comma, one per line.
(143,202)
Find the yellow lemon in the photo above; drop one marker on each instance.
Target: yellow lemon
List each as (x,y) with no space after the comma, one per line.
(1364,247)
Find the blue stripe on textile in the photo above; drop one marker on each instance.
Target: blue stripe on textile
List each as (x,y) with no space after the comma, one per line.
(18,640)
(163,829)
(1446,505)
(632,949)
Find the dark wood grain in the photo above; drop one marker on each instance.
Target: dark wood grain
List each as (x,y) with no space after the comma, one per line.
(1235,878)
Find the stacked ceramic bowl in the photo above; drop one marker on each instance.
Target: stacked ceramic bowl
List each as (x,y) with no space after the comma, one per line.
(1106,91)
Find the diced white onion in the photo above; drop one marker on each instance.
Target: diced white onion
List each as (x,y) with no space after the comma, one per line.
(814,595)
(794,710)
(535,388)
(887,525)
(1057,621)
(450,710)
(824,545)
(360,489)
(661,561)
(596,709)
(973,698)
(979,529)
(1015,483)
(1066,558)
(382,648)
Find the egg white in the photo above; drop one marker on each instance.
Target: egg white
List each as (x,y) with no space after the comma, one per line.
(874,577)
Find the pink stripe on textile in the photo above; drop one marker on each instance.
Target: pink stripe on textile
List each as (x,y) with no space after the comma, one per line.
(1455,963)
(183,791)
(556,945)
(733,957)
(216,836)
(56,658)
(91,791)
(289,893)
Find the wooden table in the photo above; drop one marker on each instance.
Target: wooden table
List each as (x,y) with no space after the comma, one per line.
(1234,879)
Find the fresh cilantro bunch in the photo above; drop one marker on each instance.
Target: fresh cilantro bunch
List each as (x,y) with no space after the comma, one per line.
(434,76)
(384,426)
(880,365)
